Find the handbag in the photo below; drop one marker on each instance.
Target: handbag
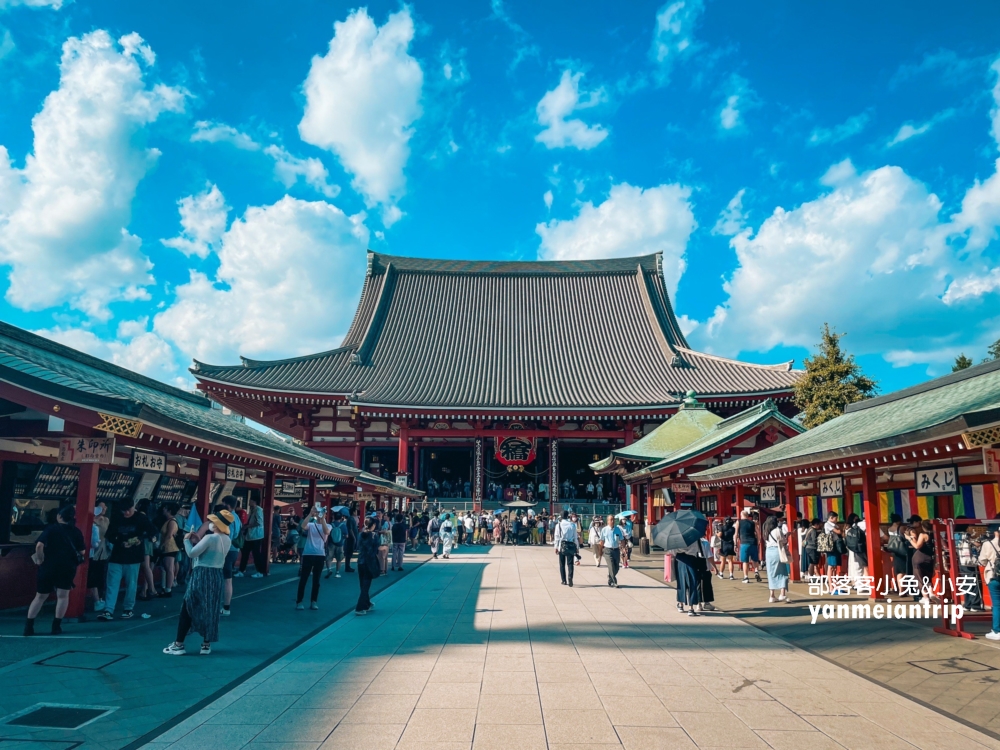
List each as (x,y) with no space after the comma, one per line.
(896,545)
(782,548)
(568,547)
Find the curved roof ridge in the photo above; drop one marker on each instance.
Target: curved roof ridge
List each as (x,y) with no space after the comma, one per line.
(254,364)
(781,366)
(404,264)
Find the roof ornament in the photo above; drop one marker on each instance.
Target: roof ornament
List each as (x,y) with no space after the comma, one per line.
(691,401)
(678,361)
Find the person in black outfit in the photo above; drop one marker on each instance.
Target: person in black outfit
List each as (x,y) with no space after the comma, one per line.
(58,551)
(351,542)
(368,566)
(399,532)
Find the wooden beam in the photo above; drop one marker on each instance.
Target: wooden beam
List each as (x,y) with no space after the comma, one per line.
(86,498)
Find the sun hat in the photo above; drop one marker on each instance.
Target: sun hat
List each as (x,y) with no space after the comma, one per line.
(221,526)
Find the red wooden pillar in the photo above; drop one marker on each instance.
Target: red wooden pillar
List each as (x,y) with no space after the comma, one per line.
(312,491)
(267,505)
(204,488)
(403,461)
(86,498)
(872,525)
(792,517)
(359,437)
(725,502)
(741,502)
(650,512)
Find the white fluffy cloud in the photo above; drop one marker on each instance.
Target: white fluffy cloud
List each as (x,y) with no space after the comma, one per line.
(287,168)
(64,216)
(673,35)
(558,104)
(632,221)
(287,284)
(136,348)
(54,4)
(874,257)
(848,128)
(362,99)
(909,130)
(732,219)
(203,220)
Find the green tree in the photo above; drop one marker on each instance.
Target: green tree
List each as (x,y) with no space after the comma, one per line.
(961,363)
(833,379)
(993,351)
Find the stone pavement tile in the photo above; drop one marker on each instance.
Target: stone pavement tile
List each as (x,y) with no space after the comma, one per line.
(457,671)
(734,686)
(717,730)
(509,736)
(559,695)
(302,724)
(444,724)
(579,727)
(405,744)
(591,746)
(509,663)
(287,683)
(639,712)
(766,715)
(509,709)
(555,671)
(809,702)
(369,736)
(331,695)
(255,745)
(942,741)
(686,698)
(218,737)
(255,708)
(857,733)
(398,683)
(655,738)
(899,719)
(785,740)
(503,683)
(411,663)
(184,727)
(449,695)
(666,674)
(371,708)
(621,684)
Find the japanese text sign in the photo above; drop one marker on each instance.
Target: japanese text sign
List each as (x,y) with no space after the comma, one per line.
(831,487)
(148,461)
(87,450)
(941,480)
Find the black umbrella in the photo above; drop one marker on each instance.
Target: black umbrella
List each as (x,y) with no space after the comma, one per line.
(679,530)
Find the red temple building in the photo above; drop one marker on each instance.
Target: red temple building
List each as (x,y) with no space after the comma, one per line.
(491,380)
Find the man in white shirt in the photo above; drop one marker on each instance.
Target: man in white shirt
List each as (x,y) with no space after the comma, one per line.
(612,536)
(567,542)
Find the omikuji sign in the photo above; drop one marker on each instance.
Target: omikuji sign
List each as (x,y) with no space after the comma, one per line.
(87,450)
(942,480)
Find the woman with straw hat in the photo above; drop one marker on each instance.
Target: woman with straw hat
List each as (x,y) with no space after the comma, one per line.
(203,599)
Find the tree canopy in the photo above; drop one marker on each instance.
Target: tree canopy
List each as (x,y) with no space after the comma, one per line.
(961,363)
(833,379)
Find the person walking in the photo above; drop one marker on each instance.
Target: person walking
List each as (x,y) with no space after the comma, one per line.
(595,541)
(399,530)
(567,543)
(315,529)
(335,545)
(275,535)
(368,567)
(626,543)
(611,538)
(202,606)
(351,541)
(97,569)
(254,544)
(746,538)
(384,529)
(58,551)
(169,549)
(434,534)
(727,549)
(126,534)
(689,578)
(447,532)
(776,557)
(237,537)
(989,559)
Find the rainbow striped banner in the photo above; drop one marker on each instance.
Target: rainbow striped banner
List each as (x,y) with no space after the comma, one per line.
(977,501)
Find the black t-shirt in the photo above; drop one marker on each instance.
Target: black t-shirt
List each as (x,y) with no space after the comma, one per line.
(748,531)
(62,545)
(127,536)
(399,530)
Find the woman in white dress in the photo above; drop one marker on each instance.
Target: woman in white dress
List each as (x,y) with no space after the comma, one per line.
(447,536)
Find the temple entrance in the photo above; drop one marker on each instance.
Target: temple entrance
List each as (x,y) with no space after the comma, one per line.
(446,472)
(382,462)
(529,482)
(576,479)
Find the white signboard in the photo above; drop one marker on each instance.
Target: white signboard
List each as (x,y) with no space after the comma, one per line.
(768,494)
(831,487)
(402,480)
(236,473)
(148,461)
(942,480)
(682,488)
(991,460)
(87,450)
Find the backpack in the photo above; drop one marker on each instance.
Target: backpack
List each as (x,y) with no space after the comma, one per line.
(854,539)
(825,543)
(336,534)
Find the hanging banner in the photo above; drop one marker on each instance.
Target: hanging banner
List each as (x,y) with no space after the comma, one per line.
(991,460)
(515,450)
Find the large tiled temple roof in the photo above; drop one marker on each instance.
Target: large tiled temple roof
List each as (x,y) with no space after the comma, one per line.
(534,335)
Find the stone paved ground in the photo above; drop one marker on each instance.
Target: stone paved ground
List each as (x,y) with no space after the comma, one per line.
(149,690)
(488,650)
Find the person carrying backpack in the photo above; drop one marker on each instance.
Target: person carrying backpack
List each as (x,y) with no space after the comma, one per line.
(856,542)
(335,545)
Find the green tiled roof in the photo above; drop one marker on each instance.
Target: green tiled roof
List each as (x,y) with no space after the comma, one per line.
(65,374)
(723,431)
(935,409)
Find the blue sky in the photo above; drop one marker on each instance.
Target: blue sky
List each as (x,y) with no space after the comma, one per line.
(185,180)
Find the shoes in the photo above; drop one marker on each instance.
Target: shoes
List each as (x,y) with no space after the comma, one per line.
(348,570)
(746,580)
(563,582)
(314,606)
(692,613)
(99,605)
(731,578)
(106,616)
(708,607)
(237,574)
(757,576)
(570,584)
(29,627)
(328,574)
(206,649)
(782,598)
(257,575)
(680,607)
(127,614)
(770,600)
(360,612)
(174,650)
(300,606)
(720,576)
(337,575)
(226,612)
(993,636)
(165,595)
(371,606)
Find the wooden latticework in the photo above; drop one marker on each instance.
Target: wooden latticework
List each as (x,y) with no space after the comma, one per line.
(119,425)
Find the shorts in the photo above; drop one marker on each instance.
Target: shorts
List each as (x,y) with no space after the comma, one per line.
(832,561)
(50,579)
(169,554)
(728,549)
(227,567)
(812,556)
(335,552)
(748,553)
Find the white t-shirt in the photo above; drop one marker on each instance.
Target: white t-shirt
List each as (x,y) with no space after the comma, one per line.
(470,525)
(315,539)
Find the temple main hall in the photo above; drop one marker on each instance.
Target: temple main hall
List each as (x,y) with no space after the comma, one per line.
(490,380)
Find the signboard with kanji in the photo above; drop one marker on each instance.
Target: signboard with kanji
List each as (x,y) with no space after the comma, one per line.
(831,487)
(148,461)
(87,450)
(682,488)
(991,461)
(236,473)
(768,494)
(515,450)
(941,480)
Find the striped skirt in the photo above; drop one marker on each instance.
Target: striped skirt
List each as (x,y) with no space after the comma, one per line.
(203,600)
